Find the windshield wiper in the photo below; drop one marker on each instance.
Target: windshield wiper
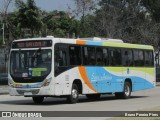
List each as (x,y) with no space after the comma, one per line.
(35,56)
(36,52)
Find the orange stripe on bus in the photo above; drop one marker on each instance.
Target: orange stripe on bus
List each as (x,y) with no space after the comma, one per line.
(81,42)
(82,71)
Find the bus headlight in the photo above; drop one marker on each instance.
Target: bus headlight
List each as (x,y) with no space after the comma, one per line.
(47,82)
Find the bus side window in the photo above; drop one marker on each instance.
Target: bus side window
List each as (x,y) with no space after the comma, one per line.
(130,58)
(115,57)
(99,57)
(138,58)
(127,57)
(148,58)
(141,58)
(75,55)
(62,58)
(151,58)
(105,57)
(89,56)
(135,53)
(85,56)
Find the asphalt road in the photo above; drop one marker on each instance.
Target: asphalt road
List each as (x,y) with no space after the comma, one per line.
(139,101)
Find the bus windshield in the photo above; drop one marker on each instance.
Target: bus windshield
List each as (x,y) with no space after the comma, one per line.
(30,63)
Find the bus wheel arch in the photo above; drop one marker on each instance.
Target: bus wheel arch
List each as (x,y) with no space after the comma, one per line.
(127,89)
(79,85)
(75,91)
(130,81)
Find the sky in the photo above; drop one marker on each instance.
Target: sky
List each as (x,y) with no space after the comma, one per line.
(49,5)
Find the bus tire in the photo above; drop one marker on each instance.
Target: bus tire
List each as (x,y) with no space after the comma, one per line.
(38,99)
(126,91)
(93,96)
(73,98)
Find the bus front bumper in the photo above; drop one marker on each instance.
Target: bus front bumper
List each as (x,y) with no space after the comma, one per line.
(43,91)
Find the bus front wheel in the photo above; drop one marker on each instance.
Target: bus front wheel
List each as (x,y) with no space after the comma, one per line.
(73,98)
(38,99)
(126,91)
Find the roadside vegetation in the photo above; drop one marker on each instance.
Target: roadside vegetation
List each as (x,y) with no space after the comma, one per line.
(134,21)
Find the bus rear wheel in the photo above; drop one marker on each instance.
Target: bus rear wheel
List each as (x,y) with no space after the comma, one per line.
(126,91)
(38,99)
(93,96)
(73,98)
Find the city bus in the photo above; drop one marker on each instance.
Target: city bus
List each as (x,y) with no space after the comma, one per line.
(61,67)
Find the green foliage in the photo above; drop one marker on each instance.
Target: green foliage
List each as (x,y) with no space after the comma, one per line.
(153,7)
(59,32)
(129,20)
(83,9)
(89,27)
(135,21)
(57,23)
(74,27)
(60,24)
(28,16)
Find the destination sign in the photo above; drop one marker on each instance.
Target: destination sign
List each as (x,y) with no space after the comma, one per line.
(32,44)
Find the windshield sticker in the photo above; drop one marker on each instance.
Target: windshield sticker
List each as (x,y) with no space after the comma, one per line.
(36,73)
(39,69)
(24,74)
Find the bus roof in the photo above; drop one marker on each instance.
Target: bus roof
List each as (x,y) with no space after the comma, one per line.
(86,41)
(111,44)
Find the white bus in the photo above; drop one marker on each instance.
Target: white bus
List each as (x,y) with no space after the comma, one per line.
(47,67)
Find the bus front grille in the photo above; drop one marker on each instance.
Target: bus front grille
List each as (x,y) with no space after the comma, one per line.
(21,92)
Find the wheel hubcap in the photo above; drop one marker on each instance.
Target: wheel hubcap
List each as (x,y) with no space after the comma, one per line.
(127,90)
(74,93)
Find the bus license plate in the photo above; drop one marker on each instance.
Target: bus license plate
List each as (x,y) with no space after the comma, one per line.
(27,93)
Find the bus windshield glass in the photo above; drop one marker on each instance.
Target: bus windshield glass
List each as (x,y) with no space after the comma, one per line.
(30,63)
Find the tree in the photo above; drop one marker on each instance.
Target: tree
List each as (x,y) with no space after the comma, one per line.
(153,7)
(4,16)
(127,20)
(60,24)
(28,16)
(83,7)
